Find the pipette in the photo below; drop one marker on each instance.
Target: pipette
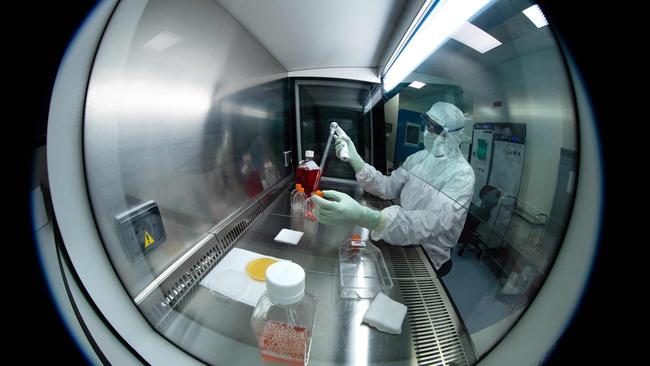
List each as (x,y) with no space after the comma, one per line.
(344,155)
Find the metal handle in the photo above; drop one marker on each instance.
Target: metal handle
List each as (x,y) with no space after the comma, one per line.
(286,153)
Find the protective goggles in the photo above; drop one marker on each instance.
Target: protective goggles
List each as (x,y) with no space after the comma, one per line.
(434,127)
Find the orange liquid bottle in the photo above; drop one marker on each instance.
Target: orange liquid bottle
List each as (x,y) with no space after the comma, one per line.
(308,173)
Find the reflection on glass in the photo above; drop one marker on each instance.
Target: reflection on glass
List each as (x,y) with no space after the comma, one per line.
(324,102)
(174,116)
(518,141)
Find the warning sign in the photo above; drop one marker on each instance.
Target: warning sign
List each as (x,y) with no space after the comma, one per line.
(148,239)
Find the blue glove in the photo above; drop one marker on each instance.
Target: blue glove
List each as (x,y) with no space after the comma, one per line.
(344,210)
(355,160)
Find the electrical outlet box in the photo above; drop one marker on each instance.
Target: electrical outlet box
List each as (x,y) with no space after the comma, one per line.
(141,230)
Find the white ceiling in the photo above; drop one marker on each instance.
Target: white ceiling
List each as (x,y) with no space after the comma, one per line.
(312,34)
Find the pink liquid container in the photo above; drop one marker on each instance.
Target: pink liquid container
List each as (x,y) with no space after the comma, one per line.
(308,173)
(283,319)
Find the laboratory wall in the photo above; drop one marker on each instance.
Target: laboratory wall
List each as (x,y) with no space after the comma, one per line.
(187,109)
(529,87)
(533,89)
(549,115)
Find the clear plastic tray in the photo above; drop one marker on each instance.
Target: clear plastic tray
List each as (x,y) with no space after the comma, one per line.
(363,271)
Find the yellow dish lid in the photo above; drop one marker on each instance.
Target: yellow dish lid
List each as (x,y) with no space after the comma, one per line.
(257,268)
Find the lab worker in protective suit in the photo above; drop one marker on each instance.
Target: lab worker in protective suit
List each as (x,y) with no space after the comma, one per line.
(434,187)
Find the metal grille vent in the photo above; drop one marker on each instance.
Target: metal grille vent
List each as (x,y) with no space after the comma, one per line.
(179,285)
(408,263)
(435,339)
(435,336)
(185,287)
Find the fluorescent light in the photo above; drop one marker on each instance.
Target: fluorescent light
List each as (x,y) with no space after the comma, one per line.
(435,29)
(534,13)
(422,13)
(416,84)
(374,99)
(475,37)
(245,111)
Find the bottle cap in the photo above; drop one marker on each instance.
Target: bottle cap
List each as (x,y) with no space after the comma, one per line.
(285,282)
(309,153)
(319,194)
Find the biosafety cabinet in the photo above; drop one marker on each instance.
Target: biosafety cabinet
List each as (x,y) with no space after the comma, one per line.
(175,129)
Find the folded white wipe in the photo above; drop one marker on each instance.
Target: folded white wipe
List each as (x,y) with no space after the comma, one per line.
(385,314)
(288,236)
(230,278)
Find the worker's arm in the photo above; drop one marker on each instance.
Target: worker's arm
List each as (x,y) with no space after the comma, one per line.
(444,213)
(369,178)
(386,187)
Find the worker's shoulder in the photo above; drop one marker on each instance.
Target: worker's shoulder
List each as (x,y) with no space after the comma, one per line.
(464,169)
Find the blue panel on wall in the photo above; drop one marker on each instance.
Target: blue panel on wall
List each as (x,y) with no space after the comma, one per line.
(406,140)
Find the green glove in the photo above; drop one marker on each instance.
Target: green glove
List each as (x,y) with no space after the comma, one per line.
(355,160)
(344,210)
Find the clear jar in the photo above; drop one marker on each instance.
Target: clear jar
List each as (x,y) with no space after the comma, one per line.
(283,318)
(363,271)
(298,198)
(310,206)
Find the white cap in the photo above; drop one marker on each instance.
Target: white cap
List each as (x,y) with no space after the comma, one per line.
(285,282)
(309,153)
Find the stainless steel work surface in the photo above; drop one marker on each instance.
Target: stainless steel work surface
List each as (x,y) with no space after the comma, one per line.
(339,337)
(217,330)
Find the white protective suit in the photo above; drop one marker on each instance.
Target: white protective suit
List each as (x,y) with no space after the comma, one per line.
(434,187)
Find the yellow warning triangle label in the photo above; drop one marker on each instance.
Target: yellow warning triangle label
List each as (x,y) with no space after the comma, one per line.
(148,239)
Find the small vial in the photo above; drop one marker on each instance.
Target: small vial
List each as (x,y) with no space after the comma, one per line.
(310,206)
(298,198)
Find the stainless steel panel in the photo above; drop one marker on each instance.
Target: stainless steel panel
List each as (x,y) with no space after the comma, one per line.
(186,108)
(176,285)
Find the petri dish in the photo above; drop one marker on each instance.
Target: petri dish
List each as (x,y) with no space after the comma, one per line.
(256,269)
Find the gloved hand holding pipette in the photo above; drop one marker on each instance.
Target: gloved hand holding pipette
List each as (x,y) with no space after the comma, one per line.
(354,159)
(341,208)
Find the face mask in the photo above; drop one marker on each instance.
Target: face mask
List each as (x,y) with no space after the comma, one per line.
(428,140)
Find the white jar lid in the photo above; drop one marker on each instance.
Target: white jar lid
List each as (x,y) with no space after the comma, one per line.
(285,282)
(309,153)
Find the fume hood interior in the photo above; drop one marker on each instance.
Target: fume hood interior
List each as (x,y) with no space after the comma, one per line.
(183,125)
